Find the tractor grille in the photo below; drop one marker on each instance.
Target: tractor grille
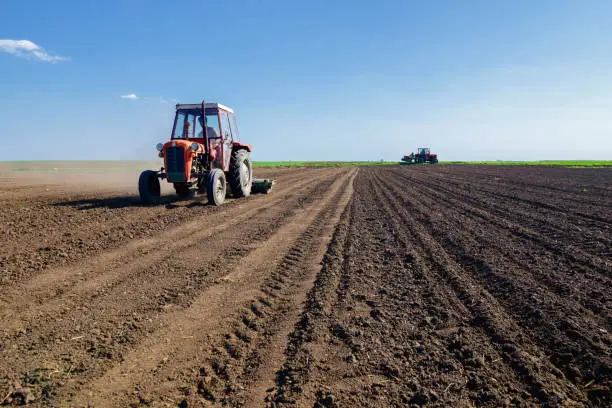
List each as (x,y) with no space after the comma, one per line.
(175,163)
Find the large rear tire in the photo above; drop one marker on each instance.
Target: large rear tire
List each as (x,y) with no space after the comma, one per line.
(148,187)
(216,187)
(183,190)
(241,173)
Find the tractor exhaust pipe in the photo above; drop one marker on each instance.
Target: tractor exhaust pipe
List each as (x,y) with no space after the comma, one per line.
(205,130)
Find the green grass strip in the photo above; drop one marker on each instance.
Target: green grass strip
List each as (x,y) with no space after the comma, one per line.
(319,163)
(562,163)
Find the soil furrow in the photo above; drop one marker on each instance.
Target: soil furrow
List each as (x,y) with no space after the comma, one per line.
(553,224)
(182,334)
(74,229)
(46,292)
(254,349)
(380,286)
(103,328)
(534,197)
(487,313)
(578,349)
(573,255)
(540,265)
(399,315)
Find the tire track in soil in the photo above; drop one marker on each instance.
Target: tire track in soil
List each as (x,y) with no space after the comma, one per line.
(543,181)
(81,340)
(528,360)
(557,224)
(46,293)
(325,362)
(180,344)
(420,299)
(296,369)
(540,260)
(574,339)
(573,254)
(244,362)
(530,261)
(587,211)
(540,218)
(356,282)
(68,227)
(260,367)
(389,379)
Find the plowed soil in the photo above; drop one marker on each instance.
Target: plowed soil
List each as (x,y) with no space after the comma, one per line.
(386,286)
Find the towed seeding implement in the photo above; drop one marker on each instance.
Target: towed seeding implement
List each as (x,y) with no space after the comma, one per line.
(423,155)
(204,155)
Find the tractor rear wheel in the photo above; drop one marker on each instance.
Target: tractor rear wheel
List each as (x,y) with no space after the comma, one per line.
(216,187)
(182,190)
(148,187)
(241,173)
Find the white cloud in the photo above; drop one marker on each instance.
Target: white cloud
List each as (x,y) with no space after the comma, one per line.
(28,49)
(129,96)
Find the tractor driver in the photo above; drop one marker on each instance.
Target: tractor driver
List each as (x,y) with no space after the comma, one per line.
(213,135)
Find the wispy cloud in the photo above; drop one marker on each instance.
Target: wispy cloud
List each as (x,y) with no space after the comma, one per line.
(129,96)
(28,49)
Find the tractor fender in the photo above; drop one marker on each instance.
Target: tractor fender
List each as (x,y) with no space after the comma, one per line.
(245,146)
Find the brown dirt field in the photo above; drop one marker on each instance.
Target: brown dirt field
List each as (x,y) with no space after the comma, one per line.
(386,286)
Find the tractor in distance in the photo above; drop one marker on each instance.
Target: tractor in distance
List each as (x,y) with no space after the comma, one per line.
(203,155)
(423,155)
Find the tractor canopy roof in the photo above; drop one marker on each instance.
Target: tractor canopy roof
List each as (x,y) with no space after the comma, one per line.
(208,105)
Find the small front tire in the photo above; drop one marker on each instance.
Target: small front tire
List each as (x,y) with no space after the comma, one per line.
(148,187)
(216,187)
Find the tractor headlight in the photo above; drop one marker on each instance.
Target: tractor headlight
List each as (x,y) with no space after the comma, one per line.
(195,146)
(159,147)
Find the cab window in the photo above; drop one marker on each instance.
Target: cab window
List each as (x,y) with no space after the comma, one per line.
(189,125)
(225,124)
(179,125)
(234,127)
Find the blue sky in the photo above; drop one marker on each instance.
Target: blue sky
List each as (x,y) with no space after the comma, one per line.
(313,80)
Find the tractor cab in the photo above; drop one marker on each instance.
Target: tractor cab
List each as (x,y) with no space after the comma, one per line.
(423,151)
(215,129)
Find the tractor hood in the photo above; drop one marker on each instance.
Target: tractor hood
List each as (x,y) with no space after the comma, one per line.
(178,156)
(185,144)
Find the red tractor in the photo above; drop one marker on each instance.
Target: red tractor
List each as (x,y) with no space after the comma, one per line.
(204,154)
(423,155)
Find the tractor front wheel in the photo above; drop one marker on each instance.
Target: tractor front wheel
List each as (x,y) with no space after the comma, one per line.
(148,187)
(216,187)
(182,190)
(241,173)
